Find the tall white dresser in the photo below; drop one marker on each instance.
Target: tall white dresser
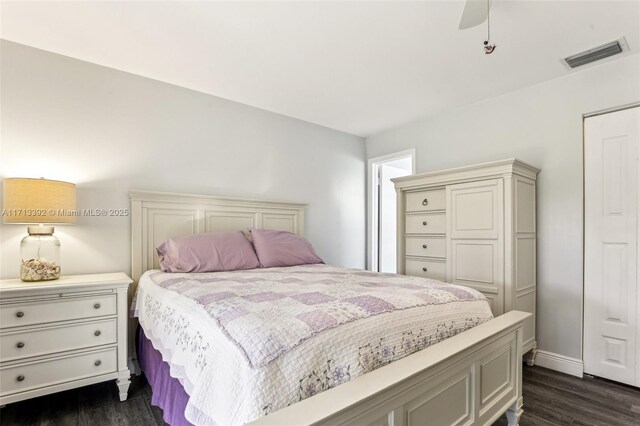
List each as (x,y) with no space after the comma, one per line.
(474,226)
(62,334)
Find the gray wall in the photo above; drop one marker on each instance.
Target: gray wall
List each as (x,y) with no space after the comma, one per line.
(541,125)
(111,132)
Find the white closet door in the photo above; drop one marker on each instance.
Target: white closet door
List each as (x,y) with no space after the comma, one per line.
(611,253)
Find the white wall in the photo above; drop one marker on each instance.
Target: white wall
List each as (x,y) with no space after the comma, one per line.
(111,132)
(543,126)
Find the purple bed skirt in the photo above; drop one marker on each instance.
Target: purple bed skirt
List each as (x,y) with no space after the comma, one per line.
(166,391)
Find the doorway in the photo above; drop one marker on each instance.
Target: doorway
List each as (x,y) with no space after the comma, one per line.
(382,207)
(611,255)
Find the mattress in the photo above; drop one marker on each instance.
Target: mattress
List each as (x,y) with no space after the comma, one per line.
(245,343)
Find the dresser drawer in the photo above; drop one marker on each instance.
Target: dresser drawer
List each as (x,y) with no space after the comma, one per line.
(426,223)
(429,247)
(424,201)
(426,269)
(19,378)
(42,341)
(60,309)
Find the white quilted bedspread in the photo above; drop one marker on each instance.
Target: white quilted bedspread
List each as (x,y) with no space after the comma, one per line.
(246,343)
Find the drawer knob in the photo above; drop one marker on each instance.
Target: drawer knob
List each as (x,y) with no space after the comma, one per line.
(20,314)
(424,223)
(425,202)
(424,269)
(20,378)
(97,333)
(20,345)
(97,363)
(424,246)
(96,306)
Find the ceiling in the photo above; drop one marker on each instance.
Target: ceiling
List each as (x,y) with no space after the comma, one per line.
(360,67)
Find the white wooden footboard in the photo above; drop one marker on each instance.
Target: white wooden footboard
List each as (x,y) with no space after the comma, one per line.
(468,379)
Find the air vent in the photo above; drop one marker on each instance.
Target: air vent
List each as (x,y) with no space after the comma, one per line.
(596,54)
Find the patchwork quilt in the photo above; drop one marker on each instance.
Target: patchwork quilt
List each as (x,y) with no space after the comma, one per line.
(245,343)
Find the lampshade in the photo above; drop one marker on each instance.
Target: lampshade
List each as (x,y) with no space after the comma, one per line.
(38,201)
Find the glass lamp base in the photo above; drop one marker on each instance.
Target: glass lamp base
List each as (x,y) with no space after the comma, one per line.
(40,253)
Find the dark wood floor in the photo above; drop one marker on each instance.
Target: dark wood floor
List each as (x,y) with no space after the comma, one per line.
(96,405)
(550,398)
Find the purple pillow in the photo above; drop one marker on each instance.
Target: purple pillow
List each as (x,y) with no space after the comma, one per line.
(211,252)
(281,248)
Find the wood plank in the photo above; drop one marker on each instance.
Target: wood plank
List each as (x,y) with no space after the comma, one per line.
(134,411)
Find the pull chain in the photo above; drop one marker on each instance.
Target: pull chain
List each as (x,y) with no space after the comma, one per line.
(488,48)
(488,22)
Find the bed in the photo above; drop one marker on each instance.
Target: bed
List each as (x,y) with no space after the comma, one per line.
(311,344)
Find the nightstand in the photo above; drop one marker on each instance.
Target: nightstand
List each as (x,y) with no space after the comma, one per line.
(63,334)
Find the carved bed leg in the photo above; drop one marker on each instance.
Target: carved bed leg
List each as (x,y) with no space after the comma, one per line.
(531,356)
(514,413)
(123,387)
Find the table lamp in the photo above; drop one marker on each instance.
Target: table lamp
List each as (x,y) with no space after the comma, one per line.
(39,202)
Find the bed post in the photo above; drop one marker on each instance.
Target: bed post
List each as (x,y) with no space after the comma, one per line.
(136,271)
(515,411)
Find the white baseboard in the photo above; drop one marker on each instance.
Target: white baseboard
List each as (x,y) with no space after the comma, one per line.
(561,363)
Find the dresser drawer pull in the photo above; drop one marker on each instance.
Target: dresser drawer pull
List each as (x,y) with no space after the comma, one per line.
(425,202)
(97,363)
(20,345)
(97,333)
(424,269)
(424,246)
(20,378)
(96,306)
(424,223)
(20,314)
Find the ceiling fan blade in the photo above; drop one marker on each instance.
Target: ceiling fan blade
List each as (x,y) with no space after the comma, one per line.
(474,13)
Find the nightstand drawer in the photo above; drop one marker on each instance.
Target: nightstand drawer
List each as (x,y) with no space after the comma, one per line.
(42,341)
(39,374)
(48,311)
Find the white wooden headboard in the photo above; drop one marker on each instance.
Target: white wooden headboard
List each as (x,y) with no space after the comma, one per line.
(156,216)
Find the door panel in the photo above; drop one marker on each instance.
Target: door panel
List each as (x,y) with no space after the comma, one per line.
(525,200)
(475,209)
(611,255)
(475,261)
(477,264)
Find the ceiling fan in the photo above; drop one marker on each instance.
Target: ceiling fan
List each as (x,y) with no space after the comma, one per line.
(475,12)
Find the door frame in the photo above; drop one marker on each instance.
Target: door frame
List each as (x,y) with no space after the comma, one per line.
(584,226)
(373,165)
